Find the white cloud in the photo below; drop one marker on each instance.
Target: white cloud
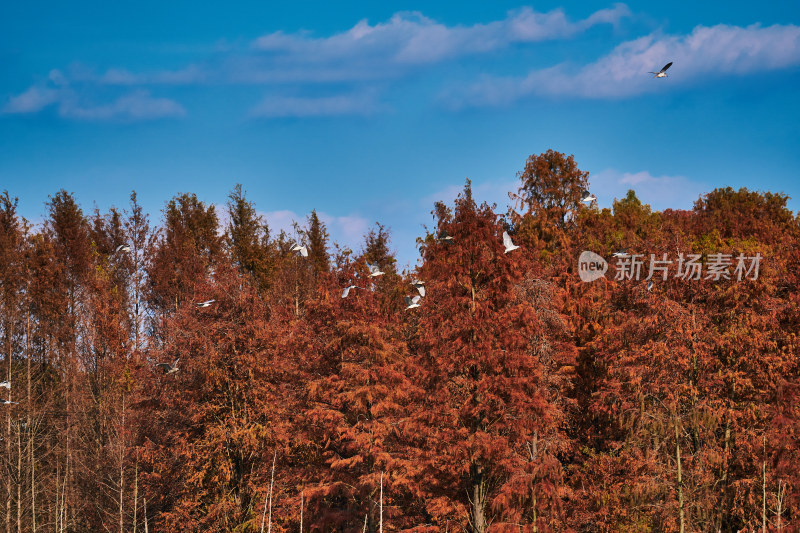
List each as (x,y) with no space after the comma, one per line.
(57,78)
(31,101)
(365,51)
(363,103)
(282,220)
(135,106)
(405,43)
(120,76)
(410,38)
(346,230)
(489,191)
(660,192)
(707,51)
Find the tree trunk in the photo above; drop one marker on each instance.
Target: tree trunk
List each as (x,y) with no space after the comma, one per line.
(135,491)
(29,426)
(122,469)
(779,510)
(56,510)
(680,476)
(9,330)
(764,489)
(268,503)
(472,306)
(19,478)
(478,512)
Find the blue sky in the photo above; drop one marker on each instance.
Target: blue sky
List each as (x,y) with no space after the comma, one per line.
(370,112)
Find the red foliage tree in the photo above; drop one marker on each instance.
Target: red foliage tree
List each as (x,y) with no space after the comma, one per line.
(484,433)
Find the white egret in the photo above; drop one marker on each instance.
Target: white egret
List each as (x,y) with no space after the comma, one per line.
(302,249)
(420,286)
(374,271)
(411,303)
(587,197)
(507,242)
(169,368)
(347,290)
(443,236)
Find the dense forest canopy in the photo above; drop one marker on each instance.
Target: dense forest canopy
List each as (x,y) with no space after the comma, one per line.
(515,398)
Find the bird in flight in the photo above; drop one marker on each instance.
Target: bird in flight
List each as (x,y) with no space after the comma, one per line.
(374,271)
(347,290)
(302,249)
(510,246)
(122,248)
(663,72)
(205,304)
(411,303)
(5,385)
(8,402)
(169,368)
(621,253)
(587,197)
(420,286)
(443,236)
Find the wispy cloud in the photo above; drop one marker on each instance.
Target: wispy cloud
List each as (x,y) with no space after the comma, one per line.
(346,230)
(349,229)
(278,106)
(489,191)
(31,101)
(336,68)
(410,38)
(119,76)
(707,51)
(406,43)
(384,50)
(660,192)
(137,105)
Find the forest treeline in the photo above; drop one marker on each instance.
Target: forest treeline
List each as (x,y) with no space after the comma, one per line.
(516,398)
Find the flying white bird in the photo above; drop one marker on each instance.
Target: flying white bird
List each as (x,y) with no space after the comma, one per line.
(420,286)
(374,271)
(8,402)
(443,236)
(302,249)
(510,246)
(122,248)
(621,253)
(411,303)
(347,290)
(587,197)
(663,72)
(169,368)
(5,385)
(205,304)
